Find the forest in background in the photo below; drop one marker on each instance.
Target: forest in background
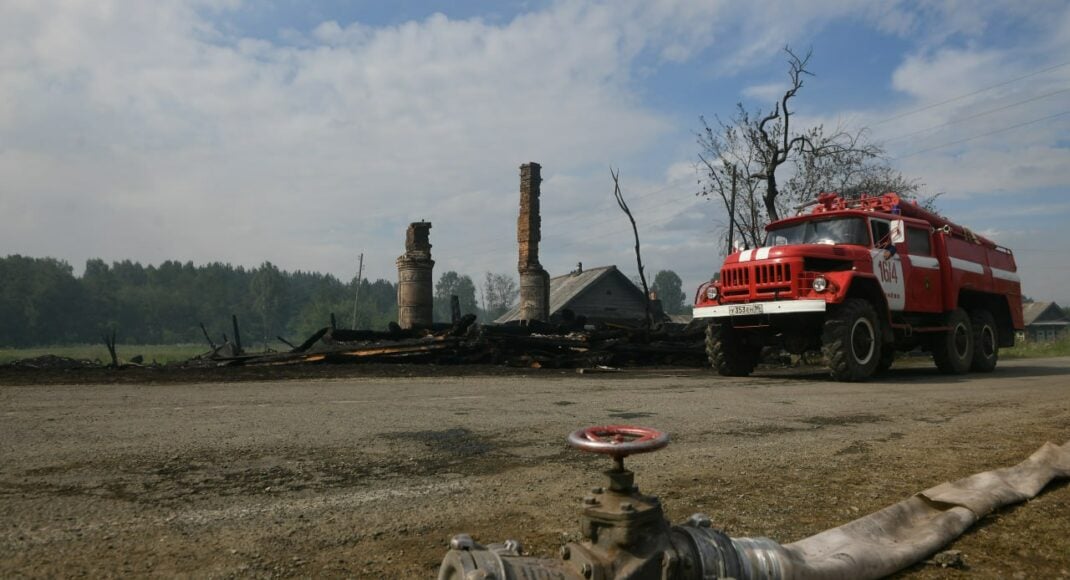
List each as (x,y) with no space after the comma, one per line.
(43,303)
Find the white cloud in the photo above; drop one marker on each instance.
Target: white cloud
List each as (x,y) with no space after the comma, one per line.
(948,72)
(766,92)
(159,127)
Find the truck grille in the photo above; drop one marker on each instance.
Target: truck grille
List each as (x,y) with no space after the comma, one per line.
(772,274)
(770,278)
(735,277)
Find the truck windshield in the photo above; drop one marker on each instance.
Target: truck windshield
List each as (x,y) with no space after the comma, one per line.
(830,231)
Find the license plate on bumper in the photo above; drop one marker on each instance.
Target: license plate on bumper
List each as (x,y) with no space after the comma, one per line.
(746,309)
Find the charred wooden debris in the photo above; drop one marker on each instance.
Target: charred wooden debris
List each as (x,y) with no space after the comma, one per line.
(529,341)
(534,345)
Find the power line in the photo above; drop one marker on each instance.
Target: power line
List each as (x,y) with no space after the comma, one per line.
(976,115)
(995,132)
(977,92)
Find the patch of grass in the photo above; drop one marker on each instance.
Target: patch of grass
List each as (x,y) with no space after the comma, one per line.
(162,353)
(1059,347)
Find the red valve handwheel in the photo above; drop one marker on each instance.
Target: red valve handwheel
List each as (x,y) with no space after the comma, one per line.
(618,440)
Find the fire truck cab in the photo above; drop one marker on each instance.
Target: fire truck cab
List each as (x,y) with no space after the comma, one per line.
(860,279)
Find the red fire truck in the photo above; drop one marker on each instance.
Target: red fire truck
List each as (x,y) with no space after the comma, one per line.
(861,279)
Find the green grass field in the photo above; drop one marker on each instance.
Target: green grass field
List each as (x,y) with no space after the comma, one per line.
(1038,349)
(162,353)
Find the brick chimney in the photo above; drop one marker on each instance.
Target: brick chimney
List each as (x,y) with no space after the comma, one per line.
(534,281)
(415,278)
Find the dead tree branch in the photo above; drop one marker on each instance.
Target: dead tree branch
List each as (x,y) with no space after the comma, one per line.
(286,342)
(635,231)
(206,337)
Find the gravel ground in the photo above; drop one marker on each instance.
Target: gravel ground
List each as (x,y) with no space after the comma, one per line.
(369,476)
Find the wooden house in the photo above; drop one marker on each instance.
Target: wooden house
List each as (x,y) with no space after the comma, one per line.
(1044,322)
(598,294)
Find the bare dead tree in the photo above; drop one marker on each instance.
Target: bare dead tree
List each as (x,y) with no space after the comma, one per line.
(756,145)
(776,142)
(635,231)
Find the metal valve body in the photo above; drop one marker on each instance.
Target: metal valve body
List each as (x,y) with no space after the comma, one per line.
(625,537)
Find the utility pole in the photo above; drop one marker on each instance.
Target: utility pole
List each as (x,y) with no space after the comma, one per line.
(732,215)
(360,273)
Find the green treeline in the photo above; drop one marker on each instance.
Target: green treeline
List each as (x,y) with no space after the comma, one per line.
(43,303)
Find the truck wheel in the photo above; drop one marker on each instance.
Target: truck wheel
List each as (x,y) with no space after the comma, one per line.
(887,358)
(985,341)
(727,353)
(953,350)
(851,341)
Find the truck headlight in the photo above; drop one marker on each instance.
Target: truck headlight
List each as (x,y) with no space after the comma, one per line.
(820,284)
(711,293)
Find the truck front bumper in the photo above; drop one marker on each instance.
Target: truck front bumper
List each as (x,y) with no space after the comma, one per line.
(759,309)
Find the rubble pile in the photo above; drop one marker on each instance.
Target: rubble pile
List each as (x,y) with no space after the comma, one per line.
(535,345)
(53,362)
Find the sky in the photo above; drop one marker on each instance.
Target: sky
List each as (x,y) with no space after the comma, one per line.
(305,133)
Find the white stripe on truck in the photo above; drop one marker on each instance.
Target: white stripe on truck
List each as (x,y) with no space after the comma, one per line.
(967,266)
(926,262)
(1005,275)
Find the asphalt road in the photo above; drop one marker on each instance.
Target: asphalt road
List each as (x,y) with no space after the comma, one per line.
(370,477)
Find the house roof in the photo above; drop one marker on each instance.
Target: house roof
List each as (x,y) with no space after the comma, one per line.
(565,289)
(1032,312)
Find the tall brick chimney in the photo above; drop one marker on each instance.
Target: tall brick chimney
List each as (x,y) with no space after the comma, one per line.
(415,282)
(534,281)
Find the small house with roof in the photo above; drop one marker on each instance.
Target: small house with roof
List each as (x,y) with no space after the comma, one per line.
(1044,322)
(602,294)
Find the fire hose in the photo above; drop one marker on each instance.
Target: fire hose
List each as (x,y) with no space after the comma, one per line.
(626,535)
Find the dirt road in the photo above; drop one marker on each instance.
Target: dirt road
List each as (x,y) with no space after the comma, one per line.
(370,477)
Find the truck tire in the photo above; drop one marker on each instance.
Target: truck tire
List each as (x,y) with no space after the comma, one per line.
(985,341)
(953,350)
(727,353)
(851,341)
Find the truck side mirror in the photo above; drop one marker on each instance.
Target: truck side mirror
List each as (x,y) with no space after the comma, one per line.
(898,232)
(738,246)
